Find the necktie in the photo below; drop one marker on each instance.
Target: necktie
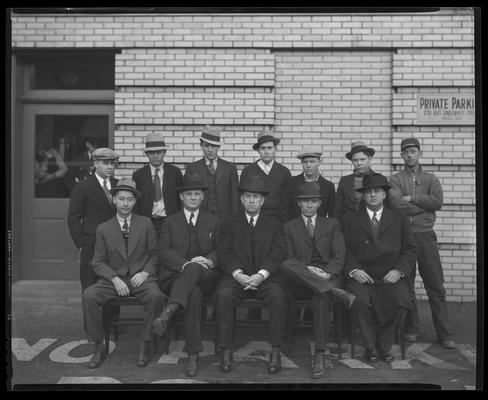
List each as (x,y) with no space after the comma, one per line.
(125,233)
(375,220)
(157,186)
(251,225)
(211,168)
(107,193)
(191,219)
(310,227)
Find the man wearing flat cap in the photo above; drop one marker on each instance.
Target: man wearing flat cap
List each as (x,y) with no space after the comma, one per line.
(220,177)
(313,268)
(380,249)
(419,195)
(126,263)
(189,269)
(250,252)
(157,181)
(347,198)
(311,158)
(276,176)
(91,204)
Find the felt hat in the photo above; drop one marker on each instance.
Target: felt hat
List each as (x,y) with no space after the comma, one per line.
(359,146)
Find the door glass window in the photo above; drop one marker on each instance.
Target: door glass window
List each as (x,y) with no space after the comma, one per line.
(63,147)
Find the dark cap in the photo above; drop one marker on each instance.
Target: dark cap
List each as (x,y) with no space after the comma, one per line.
(253,184)
(266,136)
(409,143)
(374,180)
(104,153)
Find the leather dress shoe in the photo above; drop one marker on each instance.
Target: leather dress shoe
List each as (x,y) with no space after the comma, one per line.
(160,324)
(98,356)
(318,365)
(144,354)
(344,297)
(448,344)
(191,368)
(371,356)
(275,361)
(225,360)
(388,356)
(410,337)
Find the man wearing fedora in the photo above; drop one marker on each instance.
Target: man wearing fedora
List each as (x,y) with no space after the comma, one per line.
(419,195)
(220,176)
(91,204)
(157,181)
(187,249)
(276,176)
(380,249)
(347,198)
(250,252)
(126,263)
(313,268)
(311,157)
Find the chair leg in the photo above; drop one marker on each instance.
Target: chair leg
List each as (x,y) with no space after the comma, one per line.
(352,336)
(337,332)
(107,322)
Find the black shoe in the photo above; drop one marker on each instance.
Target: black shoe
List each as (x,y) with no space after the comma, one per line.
(160,324)
(371,356)
(344,297)
(275,361)
(191,368)
(318,369)
(98,356)
(144,354)
(388,356)
(225,360)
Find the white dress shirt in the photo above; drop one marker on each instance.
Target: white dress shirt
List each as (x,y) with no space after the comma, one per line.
(265,167)
(159,210)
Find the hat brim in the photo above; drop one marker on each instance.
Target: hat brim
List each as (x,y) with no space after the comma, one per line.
(275,141)
(180,189)
(214,142)
(409,145)
(243,189)
(366,151)
(155,148)
(308,196)
(126,188)
(315,155)
(361,190)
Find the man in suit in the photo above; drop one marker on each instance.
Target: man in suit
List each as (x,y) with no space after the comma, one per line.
(90,205)
(313,268)
(157,181)
(419,195)
(311,158)
(188,265)
(251,250)
(126,263)
(220,176)
(380,250)
(347,198)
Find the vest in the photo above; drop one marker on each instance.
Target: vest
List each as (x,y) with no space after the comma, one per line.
(316,257)
(212,193)
(193,247)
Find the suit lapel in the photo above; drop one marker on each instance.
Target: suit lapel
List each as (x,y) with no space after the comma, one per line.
(220,170)
(116,234)
(202,230)
(135,230)
(364,222)
(244,235)
(386,220)
(98,190)
(301,230)
(202,170)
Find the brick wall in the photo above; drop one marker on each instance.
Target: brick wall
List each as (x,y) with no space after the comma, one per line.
(322,79)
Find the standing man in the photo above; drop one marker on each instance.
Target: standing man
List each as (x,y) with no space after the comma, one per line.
(90,205)
(380,249)
(188,265)
(313,269)
(348,198)
(276,177)
(126,263)
(419,195)
(220,176)
(251,250)
(311,158)
(157,181)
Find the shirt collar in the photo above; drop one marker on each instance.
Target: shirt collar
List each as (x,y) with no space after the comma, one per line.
(153,169)
(265,167)
(255,218)
(188,213)
(121,220)
(207,161)
(100,180)
(305,219)
(378,213)
(311,180)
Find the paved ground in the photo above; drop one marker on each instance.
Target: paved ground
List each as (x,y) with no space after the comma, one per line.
(48,347)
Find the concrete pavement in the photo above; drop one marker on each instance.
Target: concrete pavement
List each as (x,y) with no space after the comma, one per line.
(49,347)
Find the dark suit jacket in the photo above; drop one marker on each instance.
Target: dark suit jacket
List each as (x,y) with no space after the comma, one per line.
(327,189)
(345,200)
(234,249)
(88,207)
(395,248)
(110,256)
(174,241)
(328,241)
(172,178)
(226,186)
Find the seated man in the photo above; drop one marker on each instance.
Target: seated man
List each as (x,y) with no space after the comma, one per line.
(380,252)
(126,263)
(188,265)
(250,251)
(313,269)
